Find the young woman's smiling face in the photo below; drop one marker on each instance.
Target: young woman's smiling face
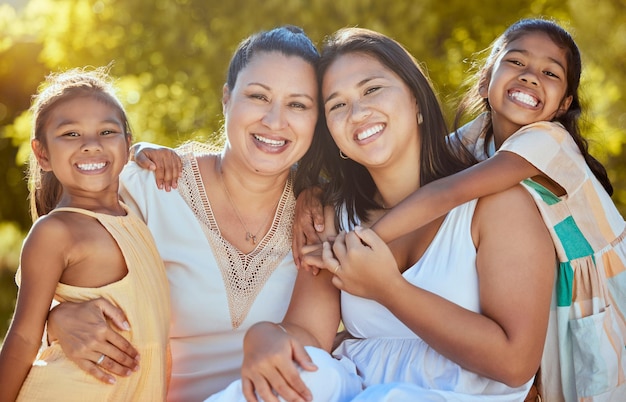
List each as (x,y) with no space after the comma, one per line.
(370,111)
(528,83)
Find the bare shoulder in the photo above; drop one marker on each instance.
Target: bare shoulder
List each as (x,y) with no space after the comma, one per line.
(88,253)
(514,201)
(512,213)
(53,226)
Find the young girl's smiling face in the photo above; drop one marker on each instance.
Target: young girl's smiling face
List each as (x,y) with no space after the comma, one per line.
(86,145)
(528,83)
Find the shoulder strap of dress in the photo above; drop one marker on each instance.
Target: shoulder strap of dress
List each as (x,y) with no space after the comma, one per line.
(77,210)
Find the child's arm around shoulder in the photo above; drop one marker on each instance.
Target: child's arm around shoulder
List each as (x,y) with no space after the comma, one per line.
(42,262)
(500,172)
(163,161)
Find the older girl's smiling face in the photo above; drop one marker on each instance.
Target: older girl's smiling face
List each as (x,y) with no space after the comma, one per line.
(370,112)
(528,83)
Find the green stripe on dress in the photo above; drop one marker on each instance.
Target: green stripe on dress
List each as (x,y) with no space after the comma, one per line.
(572,241)
(546,195)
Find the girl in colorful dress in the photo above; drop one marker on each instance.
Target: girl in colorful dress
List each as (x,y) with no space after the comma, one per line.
(85,244)
(529,131)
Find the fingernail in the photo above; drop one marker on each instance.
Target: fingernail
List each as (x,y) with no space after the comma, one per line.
(111,380)
(126,325)
(319,228)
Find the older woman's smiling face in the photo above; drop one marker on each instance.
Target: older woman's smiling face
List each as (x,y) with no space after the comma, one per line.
(272,111)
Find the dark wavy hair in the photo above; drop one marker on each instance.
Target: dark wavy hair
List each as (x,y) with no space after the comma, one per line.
(474,103)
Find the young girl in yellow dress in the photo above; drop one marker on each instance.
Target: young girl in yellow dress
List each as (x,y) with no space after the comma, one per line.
(84,244)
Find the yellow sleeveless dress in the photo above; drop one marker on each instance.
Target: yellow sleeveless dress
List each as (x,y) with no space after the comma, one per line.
(143,295)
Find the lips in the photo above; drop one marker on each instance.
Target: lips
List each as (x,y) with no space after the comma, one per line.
(269,141)
(524,98)
(370,132)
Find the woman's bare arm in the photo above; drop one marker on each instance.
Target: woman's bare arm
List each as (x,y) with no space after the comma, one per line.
(270,351)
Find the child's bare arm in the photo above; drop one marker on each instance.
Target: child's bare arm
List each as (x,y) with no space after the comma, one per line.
(41,266)
(500,172)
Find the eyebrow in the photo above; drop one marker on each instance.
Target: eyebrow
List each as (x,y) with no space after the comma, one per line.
(358,85)
(294,95)
(66,122)
(526,52)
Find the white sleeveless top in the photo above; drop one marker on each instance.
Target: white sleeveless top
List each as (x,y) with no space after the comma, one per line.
(390,352)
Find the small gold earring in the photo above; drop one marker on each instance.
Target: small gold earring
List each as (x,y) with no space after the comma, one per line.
(342,155)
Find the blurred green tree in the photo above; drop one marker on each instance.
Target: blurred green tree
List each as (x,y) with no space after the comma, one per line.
(171,55)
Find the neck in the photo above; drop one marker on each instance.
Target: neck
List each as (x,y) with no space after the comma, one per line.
(246,205)
(103,203)
(502,131)
(397,182)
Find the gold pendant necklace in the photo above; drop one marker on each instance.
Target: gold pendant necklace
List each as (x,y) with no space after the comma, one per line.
(249,235)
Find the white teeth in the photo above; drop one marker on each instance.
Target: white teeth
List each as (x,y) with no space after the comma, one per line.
(91,166)
(524,98)
(269,141)
(370,131)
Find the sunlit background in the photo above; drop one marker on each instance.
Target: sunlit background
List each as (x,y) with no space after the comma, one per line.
(170,58)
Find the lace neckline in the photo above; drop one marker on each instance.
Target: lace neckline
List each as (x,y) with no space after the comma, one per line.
(244,274)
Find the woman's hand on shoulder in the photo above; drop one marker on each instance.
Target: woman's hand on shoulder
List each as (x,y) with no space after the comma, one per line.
(270,365)
(308,225)
(164,161)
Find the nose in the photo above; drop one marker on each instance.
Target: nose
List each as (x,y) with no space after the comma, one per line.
(274,119)
(360,111)
(91,143)
(529,77)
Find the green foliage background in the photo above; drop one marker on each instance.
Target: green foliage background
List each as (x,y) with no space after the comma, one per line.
(171,55)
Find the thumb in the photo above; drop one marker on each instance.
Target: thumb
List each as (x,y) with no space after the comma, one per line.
(114,314)
(368,237)
(302,358)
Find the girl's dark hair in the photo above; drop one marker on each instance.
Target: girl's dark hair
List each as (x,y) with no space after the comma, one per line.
(45,189)
(288,40)
(473,103)
(350,182)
